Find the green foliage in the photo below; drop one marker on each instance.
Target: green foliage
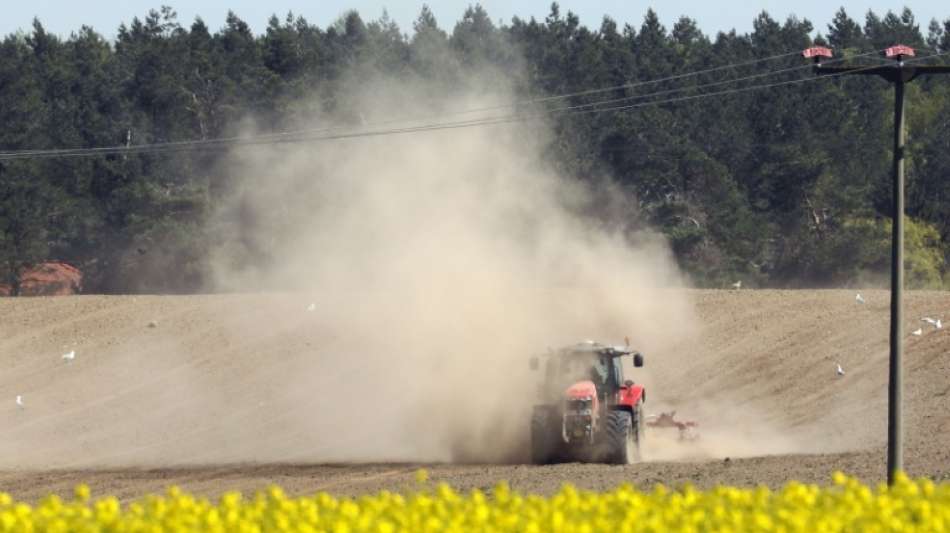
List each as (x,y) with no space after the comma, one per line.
(788,186)
(25,205)
(859,250)
(923,261)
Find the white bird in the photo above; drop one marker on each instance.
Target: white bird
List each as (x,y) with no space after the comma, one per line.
(19,401)
(929,320)
(859,298)
(839,370)
(939,324)
(68,357)
(737,285)
(918,332)
(312,307)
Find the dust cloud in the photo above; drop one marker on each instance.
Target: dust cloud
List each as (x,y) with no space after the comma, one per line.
(440,261)
(379,300)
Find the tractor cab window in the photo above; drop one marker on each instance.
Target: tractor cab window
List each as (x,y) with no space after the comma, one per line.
(600,372)
(618,373)
(609,374)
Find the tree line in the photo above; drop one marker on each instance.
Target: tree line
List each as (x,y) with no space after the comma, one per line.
(781,187)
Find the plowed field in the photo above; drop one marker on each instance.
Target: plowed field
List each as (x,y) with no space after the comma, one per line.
(188,390)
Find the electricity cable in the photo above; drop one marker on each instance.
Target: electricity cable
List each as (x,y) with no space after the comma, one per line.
(501,119)
(521,103)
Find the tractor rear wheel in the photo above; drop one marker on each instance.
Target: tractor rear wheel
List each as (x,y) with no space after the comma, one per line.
(545,436)
(620,446)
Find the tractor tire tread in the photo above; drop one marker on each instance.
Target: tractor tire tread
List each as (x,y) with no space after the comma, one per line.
(618,429)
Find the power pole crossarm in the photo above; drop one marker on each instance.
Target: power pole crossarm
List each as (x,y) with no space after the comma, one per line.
(891,73)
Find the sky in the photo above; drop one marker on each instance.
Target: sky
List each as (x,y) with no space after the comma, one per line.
(65,16)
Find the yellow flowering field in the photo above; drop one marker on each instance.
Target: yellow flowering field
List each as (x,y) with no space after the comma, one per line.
(845,505)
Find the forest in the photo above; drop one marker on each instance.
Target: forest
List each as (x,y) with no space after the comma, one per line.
(780,186)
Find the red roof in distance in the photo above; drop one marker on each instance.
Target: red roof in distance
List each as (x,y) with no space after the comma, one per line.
(817,51)
(899,50)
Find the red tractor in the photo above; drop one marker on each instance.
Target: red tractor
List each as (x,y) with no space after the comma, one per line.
(588,411)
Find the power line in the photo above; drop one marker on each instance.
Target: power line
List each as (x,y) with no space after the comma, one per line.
(575,111)
(716,83)
(194,145)
(752,87)
(188,145)
(522,103)
(305,136)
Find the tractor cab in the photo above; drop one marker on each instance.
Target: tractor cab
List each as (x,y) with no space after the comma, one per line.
(586,361)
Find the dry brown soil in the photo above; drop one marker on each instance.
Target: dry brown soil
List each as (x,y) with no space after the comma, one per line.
(191,381)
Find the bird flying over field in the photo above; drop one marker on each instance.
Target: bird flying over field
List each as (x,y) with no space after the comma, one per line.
(918,332)
(839,370)
(737,285)
(859,298)
(19,401)
(929,320)
(68,357)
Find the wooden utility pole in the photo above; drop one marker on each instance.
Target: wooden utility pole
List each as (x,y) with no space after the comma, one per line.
(899,73)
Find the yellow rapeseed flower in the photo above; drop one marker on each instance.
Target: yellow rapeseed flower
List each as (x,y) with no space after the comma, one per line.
(422,475)
(846,505)
(81,492)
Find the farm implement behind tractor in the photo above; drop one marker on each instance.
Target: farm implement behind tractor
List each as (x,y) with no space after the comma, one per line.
(686,428)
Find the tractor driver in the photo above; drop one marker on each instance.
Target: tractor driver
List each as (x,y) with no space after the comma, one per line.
(599,374)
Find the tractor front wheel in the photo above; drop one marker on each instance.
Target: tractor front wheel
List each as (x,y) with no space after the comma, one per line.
(618,441)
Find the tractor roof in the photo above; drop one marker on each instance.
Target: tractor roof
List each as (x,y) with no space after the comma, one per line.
(591,347)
